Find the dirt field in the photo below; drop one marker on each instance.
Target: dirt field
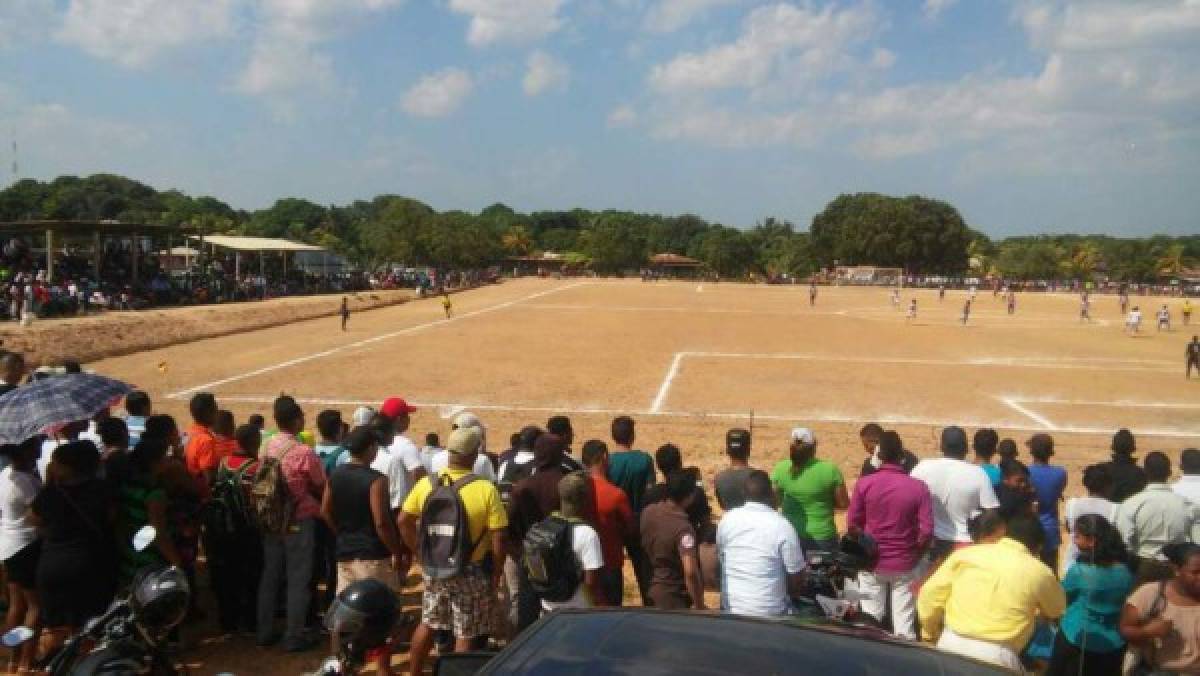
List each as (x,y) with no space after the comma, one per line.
(689,360)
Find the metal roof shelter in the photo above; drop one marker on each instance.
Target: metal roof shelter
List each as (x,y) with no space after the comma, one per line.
(238,243)
(96,230)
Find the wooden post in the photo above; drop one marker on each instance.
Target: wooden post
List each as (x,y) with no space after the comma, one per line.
(133,251)
(97,253)
(49,255)
(262,272)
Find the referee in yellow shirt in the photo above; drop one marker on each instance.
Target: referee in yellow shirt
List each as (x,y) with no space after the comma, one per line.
(984,600)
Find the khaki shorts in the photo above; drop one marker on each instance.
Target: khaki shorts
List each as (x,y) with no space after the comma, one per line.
(368,569)
(463,604)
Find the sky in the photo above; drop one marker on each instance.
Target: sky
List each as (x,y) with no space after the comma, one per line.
(1028,115)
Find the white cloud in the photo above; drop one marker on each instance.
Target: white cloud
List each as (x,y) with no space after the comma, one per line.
(438,94)
(544,72)
(883,58)
(934,8)
(667,16)
(623,115)
(286,54)
(777,39)
(1111,24)
(509,21)
(134,33)
(23,21)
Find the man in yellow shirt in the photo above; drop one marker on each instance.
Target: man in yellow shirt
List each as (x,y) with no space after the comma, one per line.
(464,603)
(983,601)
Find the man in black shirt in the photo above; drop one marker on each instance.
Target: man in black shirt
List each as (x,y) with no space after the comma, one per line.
(870,435)
(1128,478)
(1193,357)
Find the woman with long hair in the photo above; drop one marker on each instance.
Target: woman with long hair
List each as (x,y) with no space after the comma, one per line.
(1097,584)
(1161,618)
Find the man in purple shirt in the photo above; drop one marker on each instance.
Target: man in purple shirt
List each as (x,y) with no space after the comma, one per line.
(897,511)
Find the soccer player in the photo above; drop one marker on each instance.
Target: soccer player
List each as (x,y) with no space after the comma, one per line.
(812,294)
(1124,300)
(446,305)
(345,312)
(1164,318)
(1133,323)
(966,313)
(1187,311)
(974,290)
(896,298)
(1193,357)
(1012,302)
(941,293)
(912,309)
(1085,308)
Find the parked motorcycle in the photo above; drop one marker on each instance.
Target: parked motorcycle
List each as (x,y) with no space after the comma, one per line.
(129,637)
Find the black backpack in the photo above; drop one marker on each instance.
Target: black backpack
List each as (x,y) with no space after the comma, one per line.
(444,541)
(228,510)
(513,473)
(549,559)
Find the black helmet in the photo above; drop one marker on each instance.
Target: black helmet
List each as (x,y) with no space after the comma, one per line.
(363,615)
(160,597)
(858,552)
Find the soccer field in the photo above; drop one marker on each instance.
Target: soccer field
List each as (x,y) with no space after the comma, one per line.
(689,360)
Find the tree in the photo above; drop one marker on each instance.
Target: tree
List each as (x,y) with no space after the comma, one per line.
(615,242)
(517,241)
(918,234)
(779,249)
(727,251)
(1172,261)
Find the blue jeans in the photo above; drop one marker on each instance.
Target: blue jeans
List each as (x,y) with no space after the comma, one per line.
(287,559)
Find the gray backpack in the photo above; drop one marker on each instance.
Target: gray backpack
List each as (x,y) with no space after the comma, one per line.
(444,542)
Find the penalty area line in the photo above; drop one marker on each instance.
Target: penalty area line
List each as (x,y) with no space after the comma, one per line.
(665,388)
(1032,415)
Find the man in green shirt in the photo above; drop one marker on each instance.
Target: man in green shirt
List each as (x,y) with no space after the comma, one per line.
(809,492)
(633,472)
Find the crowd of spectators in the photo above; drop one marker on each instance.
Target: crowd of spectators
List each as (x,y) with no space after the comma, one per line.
(968,548)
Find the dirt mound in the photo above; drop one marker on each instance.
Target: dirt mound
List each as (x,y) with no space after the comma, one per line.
(118,333)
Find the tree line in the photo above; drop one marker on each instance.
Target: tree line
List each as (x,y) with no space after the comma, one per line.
(918,234)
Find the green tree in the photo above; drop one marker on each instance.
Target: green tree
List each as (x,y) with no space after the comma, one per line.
(615,242)
(726,251)
(918,234)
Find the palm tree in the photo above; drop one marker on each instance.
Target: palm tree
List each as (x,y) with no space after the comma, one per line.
(1172,262)
(517,241)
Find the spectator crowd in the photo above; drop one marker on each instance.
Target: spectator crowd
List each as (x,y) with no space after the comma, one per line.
(965,549)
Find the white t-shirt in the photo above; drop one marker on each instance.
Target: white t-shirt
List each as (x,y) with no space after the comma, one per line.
(588,554)
(758,548)
(17,491)
(397,462)
(43,462)
(483,465)
(960,490)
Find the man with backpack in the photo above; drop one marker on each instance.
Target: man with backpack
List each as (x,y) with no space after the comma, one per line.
(286,498)
(561,554)
(235,557)
(461,520)
(534,498)
(512,471)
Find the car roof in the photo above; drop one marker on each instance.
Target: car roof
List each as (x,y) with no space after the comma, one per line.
(651,642)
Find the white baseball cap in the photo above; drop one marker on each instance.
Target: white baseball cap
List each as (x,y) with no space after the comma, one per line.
(362,415)
(803,435)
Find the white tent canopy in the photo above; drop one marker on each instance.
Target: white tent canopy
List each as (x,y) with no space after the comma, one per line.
(254,243)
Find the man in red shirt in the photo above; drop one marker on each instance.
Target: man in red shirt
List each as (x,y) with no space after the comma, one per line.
(612,517)
(200,454)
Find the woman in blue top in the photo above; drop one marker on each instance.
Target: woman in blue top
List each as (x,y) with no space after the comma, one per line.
(1097,585)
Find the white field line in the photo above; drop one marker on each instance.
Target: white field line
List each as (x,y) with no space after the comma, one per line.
(1018,362)
(362,343)
(1032,415)
(448,410)
(1121,403)
(665,388)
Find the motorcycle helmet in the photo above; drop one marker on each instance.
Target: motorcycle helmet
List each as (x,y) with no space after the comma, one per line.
(363,615)
(858,553)
(160,598)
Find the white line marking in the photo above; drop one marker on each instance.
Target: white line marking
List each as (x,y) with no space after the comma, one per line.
(1119,403)
(665,388)
(1017,362)
(362,343)
(808,416)
(1032,415)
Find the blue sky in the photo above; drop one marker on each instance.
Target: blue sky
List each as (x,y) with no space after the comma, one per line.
(1029,115)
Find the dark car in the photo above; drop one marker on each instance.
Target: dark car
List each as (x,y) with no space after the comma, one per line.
(647,643)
